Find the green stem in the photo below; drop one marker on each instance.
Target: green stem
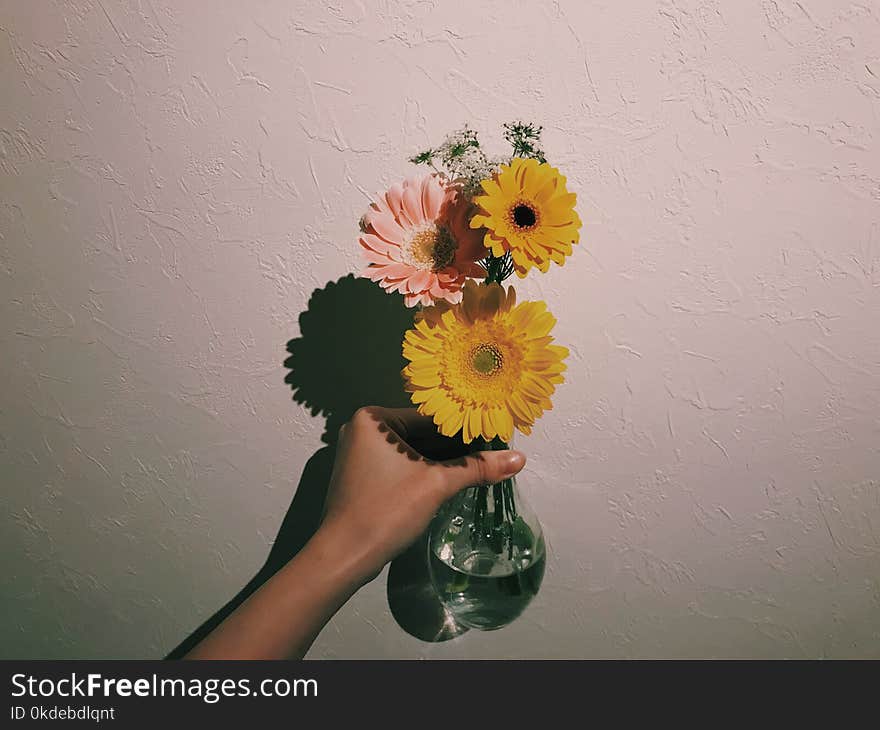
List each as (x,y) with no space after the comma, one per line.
(498,268)
(500,533)
(498,514)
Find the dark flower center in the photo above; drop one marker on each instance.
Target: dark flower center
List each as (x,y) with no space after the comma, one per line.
(432,249)
(524,216)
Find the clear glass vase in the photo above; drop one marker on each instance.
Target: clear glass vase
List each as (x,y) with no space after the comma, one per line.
(486,555)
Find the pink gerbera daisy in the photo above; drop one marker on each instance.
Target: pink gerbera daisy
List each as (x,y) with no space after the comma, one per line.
(418,241)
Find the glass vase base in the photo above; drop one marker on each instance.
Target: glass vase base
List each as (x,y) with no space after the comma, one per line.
(479,596)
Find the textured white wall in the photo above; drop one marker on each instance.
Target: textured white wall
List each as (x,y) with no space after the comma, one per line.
(176,178)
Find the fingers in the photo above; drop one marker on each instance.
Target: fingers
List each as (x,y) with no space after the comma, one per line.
(441,448)
(486,467)
(419,432)
(408,423)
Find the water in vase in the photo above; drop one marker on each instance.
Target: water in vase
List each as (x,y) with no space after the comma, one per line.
(483,592)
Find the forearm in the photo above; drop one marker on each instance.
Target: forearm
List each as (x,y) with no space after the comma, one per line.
(282,619)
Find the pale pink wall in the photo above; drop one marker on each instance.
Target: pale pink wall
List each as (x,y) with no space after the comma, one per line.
(177,177)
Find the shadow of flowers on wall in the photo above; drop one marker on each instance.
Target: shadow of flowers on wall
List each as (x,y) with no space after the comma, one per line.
(348,353)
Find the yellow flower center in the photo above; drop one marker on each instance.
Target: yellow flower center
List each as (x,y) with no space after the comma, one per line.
(481,361)
(523,215)
(486,360)
(430,249)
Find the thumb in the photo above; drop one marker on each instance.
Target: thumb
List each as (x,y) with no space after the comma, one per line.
(484,467)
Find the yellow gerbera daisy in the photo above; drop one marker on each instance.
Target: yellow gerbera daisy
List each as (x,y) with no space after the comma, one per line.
(485,365)
(527,210)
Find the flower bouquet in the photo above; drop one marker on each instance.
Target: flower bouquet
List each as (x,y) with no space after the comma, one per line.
(479,363)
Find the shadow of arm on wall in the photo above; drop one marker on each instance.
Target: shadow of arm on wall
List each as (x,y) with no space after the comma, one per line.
(300,523)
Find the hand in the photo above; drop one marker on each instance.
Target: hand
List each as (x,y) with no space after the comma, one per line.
(392,473)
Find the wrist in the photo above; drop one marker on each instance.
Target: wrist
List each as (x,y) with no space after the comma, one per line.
(347,560)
